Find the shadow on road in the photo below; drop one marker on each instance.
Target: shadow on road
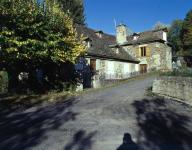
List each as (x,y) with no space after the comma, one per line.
(81,141)
(23,130)
(128,143)
(162,128)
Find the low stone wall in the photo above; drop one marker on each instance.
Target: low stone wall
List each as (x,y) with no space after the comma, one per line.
(174,87)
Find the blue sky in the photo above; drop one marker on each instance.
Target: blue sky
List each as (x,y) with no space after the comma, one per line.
(138,15)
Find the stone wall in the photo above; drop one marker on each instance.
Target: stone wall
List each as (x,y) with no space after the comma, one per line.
(160,55)
(174,87)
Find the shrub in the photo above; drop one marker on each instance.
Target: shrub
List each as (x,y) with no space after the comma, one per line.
(185,72)
(3,82)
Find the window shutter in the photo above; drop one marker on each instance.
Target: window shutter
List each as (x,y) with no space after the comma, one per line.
(138,52)
(148,51)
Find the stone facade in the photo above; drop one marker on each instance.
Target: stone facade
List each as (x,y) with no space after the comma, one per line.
(174,87)
(159,55)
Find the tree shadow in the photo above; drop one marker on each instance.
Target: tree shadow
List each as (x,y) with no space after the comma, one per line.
(81,141)
(128,143)
(162,127)
(22,130)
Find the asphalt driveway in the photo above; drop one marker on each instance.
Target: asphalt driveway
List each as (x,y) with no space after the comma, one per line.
(101,120)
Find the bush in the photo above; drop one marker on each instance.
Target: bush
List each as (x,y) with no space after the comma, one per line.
(3,82)
(186,72)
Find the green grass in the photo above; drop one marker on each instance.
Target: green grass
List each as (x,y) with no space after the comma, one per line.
(179,72)
(24,101)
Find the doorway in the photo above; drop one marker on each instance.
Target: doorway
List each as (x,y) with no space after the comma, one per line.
(143,68)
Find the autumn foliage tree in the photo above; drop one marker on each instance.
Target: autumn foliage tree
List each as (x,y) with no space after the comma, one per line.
(75,8)
(186,34)
(32,36)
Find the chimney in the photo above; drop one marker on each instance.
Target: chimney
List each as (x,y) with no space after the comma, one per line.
(121,34)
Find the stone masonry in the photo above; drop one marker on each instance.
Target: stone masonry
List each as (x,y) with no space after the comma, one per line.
(174,87)
(159,58)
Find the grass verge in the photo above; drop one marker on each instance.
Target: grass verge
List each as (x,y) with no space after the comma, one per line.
(25,101)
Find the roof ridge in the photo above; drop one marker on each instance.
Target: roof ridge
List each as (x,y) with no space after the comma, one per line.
(152,30)
(94,30)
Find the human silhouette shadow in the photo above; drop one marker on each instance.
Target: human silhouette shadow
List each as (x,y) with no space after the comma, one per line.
(128,143)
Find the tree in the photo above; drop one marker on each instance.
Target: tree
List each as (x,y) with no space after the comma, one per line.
(174,35)
(75,8)
(31,36)
(186,35)
(159,25)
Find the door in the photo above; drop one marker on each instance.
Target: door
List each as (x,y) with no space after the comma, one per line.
(143,68)
(93,65)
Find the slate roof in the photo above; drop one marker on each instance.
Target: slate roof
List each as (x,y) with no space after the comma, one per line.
(100,46)
(146,37)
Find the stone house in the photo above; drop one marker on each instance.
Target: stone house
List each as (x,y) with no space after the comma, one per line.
(121,56)
(150,48)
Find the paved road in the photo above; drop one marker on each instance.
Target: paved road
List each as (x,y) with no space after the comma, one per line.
(99,120)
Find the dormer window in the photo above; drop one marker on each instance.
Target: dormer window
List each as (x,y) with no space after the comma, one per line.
(99,34)
(87,42)
(135,36)
(117,51)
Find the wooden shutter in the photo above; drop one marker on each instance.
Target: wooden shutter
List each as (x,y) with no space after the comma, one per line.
(148,51)
(93,64)
(138,51)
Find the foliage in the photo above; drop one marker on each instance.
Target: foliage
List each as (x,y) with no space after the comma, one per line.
(174,35)
(3,81)
(75,9)
(32,36)
(186,35)
(149,91)
(181,72)
(159,25)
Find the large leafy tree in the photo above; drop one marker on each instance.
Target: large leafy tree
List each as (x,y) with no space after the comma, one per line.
(186,35)
(75,8)
(174,35)
(32,36)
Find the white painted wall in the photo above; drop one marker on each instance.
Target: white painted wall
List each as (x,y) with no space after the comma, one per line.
(137,67)
(121,70)
(115,69)
(126,68)
(98,64)
(165,36)
(110,67)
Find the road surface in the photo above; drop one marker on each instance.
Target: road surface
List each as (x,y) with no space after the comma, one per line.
(98,120)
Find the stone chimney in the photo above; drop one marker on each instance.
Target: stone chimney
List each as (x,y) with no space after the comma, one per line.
(121,34)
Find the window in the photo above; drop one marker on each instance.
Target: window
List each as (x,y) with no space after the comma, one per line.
(88,44)
(117,51)
(93,64)
(143,51)
(135,38)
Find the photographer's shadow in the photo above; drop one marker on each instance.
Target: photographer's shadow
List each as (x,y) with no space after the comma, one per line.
(128,143)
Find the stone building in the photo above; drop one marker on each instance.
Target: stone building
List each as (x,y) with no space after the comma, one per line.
(121,56)
(150,48)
